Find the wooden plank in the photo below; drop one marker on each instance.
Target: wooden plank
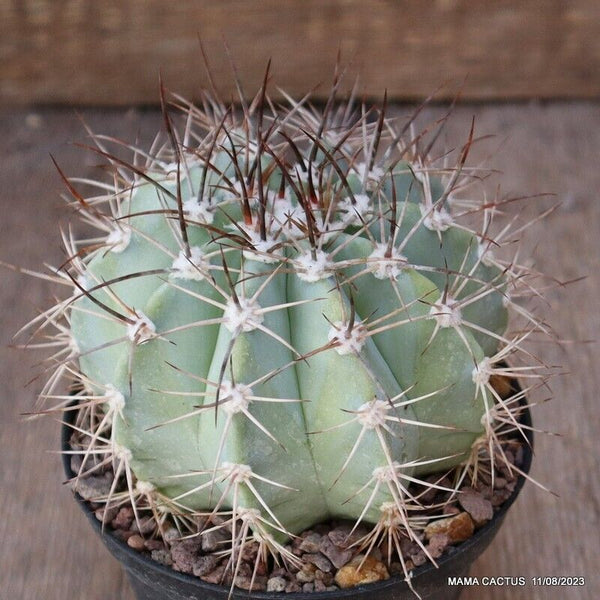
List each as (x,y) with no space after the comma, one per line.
(110,52)
(48,550)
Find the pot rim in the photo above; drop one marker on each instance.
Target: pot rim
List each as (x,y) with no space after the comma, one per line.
(419,573)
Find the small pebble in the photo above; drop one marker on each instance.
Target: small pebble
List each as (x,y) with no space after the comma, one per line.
(276,584)
(499,483)
(408,547)
(306,574)
(185,554)
(146,525)
(153,545)
(136,542)
(326,578)
(246,582)
(171,535)
(360,571)
(292,567)
(320,561)
(249,552)
(205,564)
(500,496)
(451,509)
(480,509)
(93,486)
(124,518)
(292,586)
(458,528)
(338,556)
(162,556)
(310,543)
(106,514)
(217,576)
(519,455)
(340,538)
(437,544)
(211,539)
(485,490)
(484,478)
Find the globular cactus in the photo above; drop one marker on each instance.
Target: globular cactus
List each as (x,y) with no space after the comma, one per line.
(286,318)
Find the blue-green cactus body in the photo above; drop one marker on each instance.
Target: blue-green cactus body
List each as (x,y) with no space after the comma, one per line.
(301,366)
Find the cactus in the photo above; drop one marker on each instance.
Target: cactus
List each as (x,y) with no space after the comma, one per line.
(284,319)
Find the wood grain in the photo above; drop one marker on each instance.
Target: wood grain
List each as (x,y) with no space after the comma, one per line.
(110,52)
(47,549)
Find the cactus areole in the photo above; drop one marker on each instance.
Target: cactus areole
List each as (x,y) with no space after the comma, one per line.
(285,318)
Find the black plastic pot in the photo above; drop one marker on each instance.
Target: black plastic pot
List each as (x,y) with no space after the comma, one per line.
(153,581)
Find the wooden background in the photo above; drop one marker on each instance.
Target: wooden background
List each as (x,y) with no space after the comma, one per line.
(47,550)
(110,52)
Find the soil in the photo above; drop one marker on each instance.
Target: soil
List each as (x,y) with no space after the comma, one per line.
(330,554)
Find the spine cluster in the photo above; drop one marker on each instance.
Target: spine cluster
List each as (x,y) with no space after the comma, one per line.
(289,316)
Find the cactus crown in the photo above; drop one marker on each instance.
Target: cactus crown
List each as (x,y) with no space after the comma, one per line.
(287,317)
